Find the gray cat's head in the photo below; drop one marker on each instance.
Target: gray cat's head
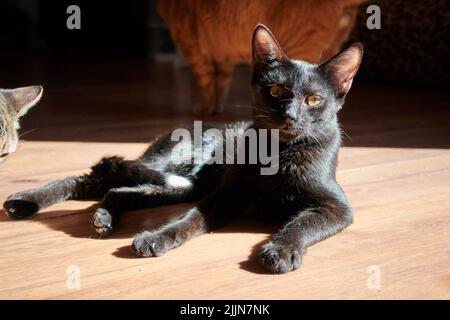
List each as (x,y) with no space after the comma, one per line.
(14,103)
(299,98)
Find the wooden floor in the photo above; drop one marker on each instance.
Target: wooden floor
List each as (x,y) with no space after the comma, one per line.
(394,167)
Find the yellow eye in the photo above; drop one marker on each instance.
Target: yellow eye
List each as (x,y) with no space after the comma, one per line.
(276,91)
(314,100)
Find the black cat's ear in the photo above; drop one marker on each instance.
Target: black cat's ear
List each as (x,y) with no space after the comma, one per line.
(342,68)
(22,99)
(266,49)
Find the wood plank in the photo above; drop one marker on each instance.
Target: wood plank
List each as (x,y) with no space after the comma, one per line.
(395,170)
(401,225)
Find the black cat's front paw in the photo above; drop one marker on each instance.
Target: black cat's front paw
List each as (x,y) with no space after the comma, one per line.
(103,222)
(151,244)
(18,207)
(280,258)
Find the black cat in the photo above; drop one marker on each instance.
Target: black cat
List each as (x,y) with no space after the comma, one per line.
(299,99)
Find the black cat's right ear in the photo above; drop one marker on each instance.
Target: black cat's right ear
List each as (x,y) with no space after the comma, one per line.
(266,49)
(342,68)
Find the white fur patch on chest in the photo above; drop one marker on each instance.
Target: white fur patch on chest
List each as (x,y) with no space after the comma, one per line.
(177,181)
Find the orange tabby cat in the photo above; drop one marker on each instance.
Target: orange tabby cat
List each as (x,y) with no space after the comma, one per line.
(214,35)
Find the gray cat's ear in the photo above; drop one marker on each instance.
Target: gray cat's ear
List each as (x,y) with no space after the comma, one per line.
(342,68)
(22,99)
(265,47)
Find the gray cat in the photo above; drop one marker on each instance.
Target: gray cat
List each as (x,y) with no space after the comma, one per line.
(14,103)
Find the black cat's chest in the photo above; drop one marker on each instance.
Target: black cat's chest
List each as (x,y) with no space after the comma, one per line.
(296,169)
(266,195)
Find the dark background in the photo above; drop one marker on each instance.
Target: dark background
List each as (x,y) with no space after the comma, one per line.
(411,47)
(109,29)
(115,79)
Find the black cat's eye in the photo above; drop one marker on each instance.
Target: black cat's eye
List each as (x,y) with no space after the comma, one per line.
(276,91)
(314,100)
(4,155)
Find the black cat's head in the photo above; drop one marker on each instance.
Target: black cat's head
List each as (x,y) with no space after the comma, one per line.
(299,98)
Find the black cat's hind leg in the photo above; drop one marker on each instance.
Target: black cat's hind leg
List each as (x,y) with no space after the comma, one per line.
(26,203)
(108,173)
(120,200)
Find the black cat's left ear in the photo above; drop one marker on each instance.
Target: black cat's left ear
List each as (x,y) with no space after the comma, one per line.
(342,68)
(266,49)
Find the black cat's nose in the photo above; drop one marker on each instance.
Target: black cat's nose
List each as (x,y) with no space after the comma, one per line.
(290,118)
(290,115)
(288,123)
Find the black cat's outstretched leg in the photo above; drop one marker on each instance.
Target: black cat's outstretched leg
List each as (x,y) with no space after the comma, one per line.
(284,252)
(26,203)
(158,242)
(212,212)
(120,200)
(108,173)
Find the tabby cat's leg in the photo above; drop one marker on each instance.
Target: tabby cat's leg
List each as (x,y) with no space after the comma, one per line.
(204,73)
(108,173)
(120,200)
(213,80)
(223,73)
(284,252)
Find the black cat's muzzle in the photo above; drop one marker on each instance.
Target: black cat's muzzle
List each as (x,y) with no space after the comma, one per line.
(288,131)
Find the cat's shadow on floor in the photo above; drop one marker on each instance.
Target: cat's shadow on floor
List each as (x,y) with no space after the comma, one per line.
(77,224)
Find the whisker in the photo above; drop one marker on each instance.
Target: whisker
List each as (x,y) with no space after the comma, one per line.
(22,134)
(345,133)
(244,107)
(282,100)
